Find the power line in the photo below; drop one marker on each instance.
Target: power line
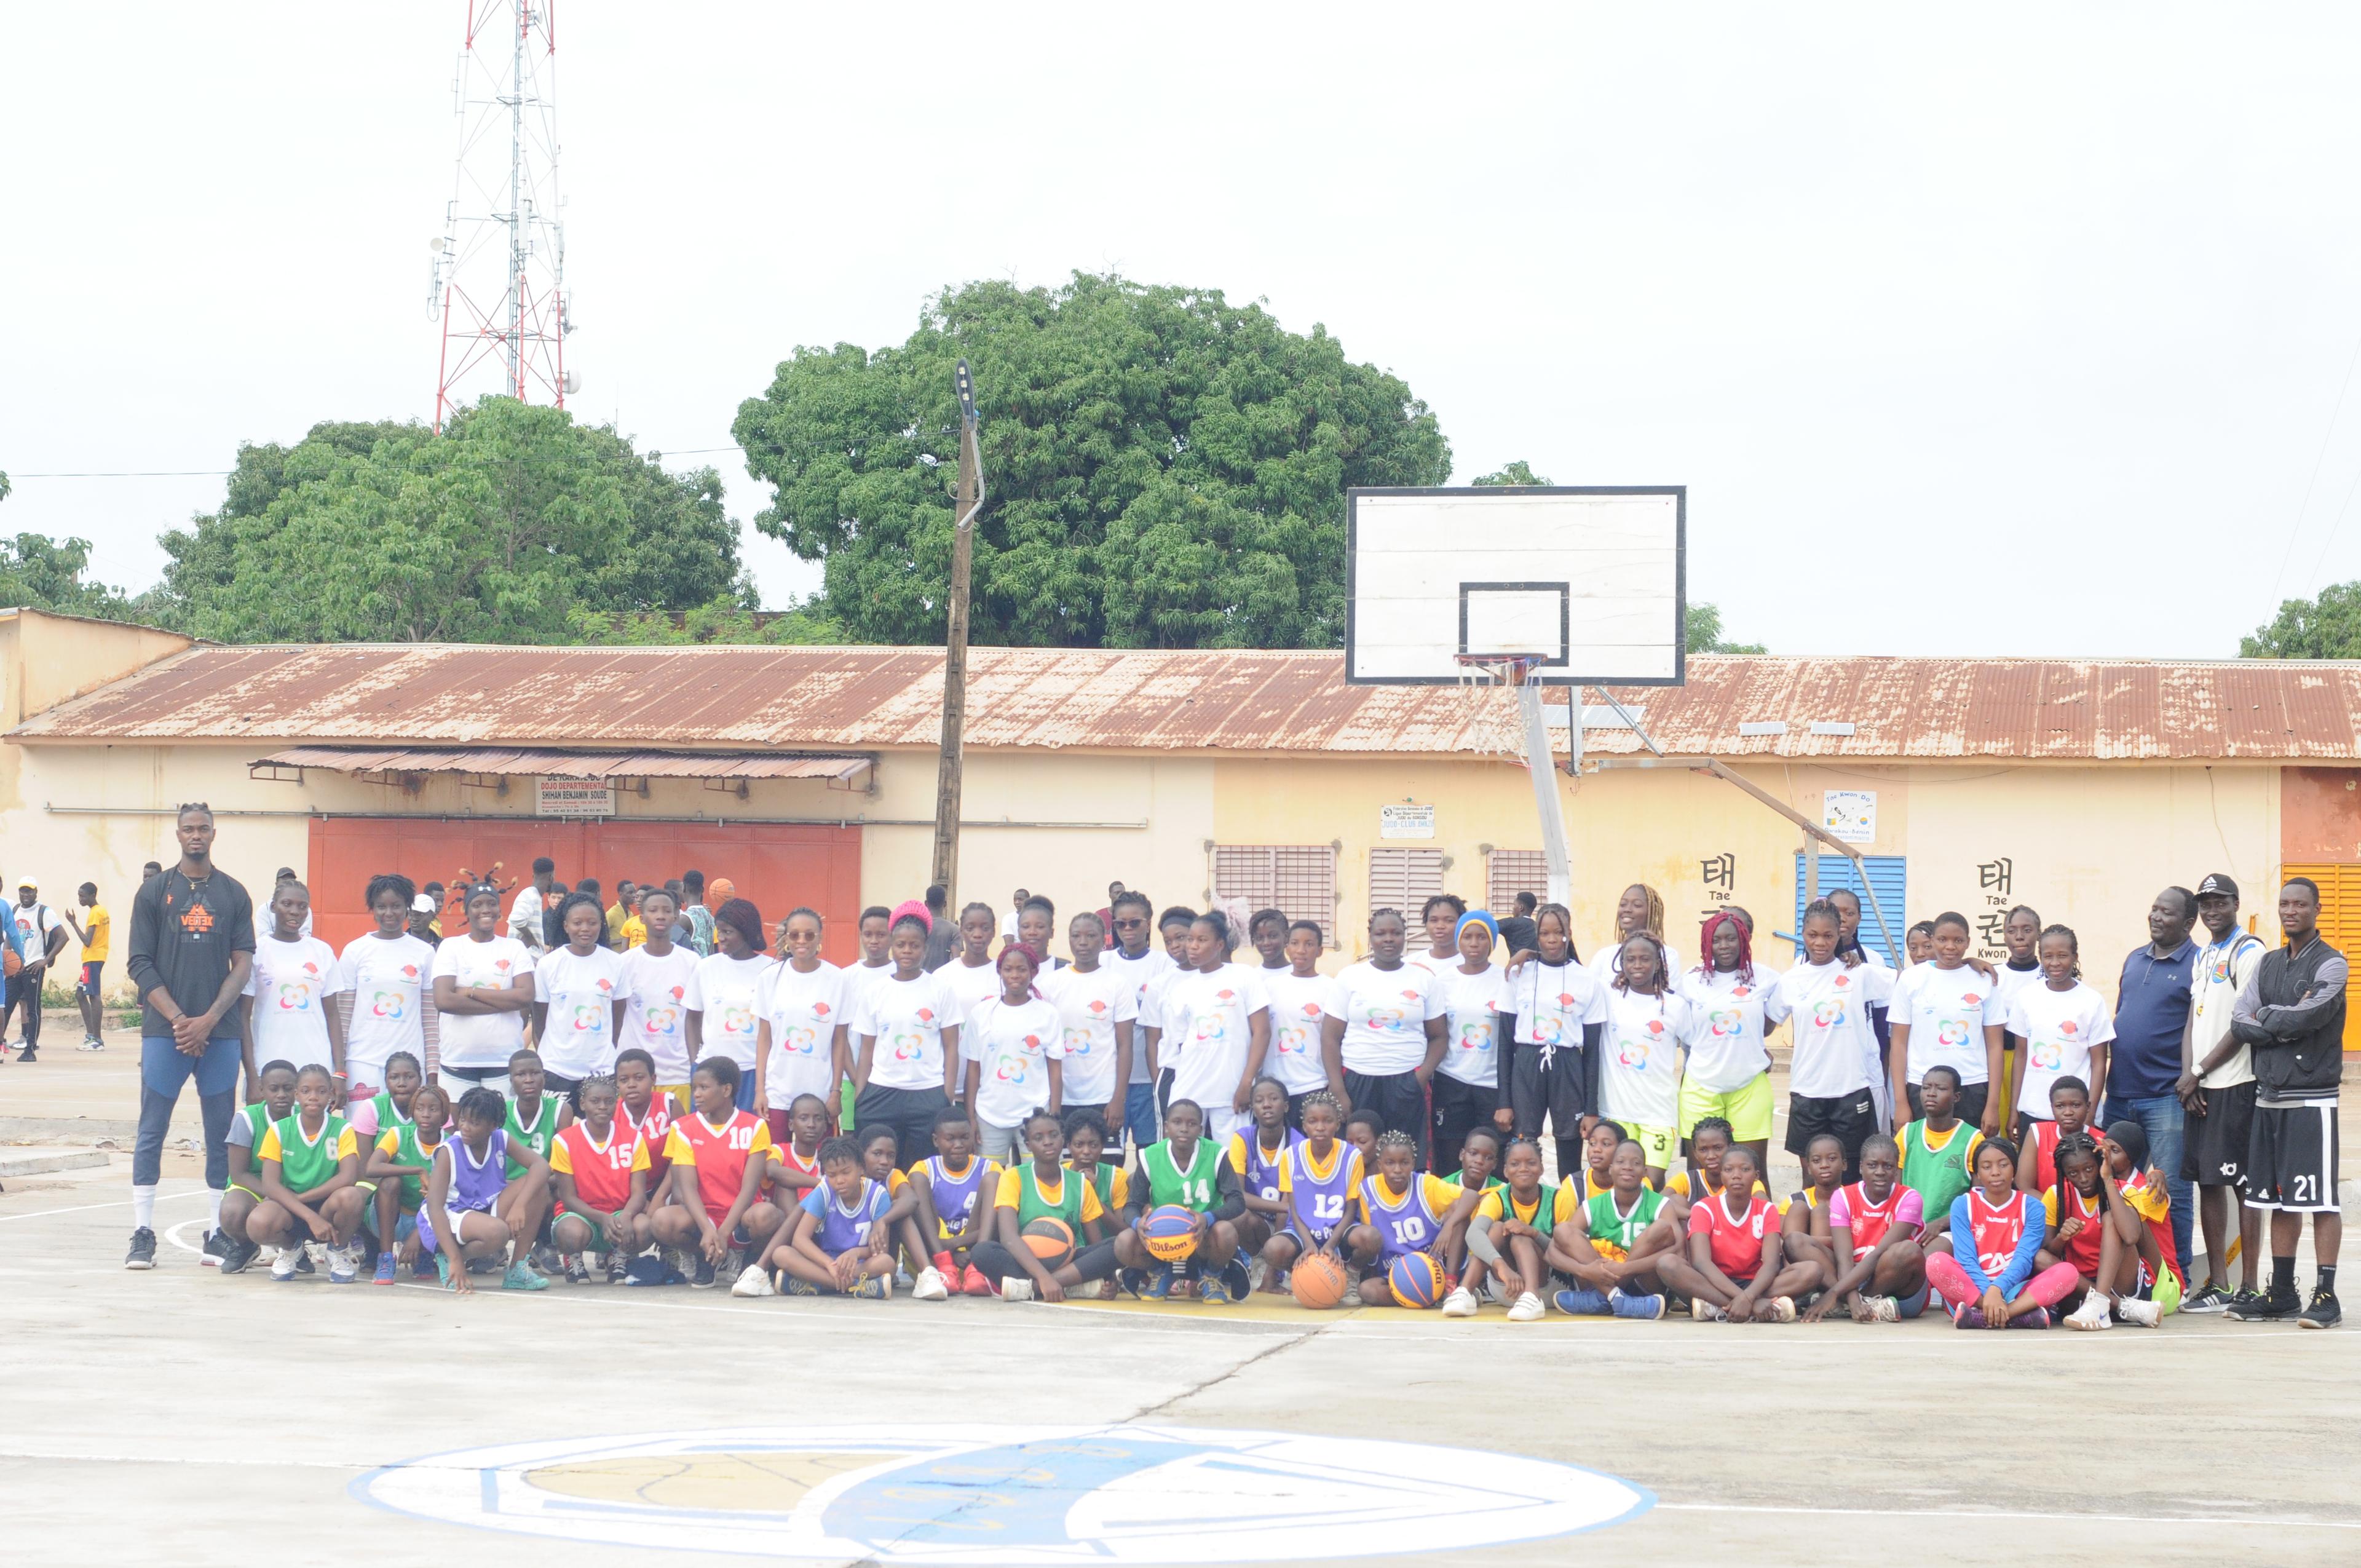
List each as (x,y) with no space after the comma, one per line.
(222,473)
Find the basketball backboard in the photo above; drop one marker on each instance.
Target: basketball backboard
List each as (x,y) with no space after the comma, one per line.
(1592,579)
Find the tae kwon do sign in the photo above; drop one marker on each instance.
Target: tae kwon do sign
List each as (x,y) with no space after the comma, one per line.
(575,797)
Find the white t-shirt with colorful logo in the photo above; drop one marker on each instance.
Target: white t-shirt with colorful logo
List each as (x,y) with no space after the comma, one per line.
(1947,1011)
(655,1017)
(1011,1047)
(388,983)
(1384,1012)
(482,1039)
(1730,1019)
(907,1018)
(1640,1062)
(1472,1004)
(1554,1002)
(2059,1028)
(290,987)
(580,990)
(729,992)
(803,1012)
(1835,1044)
(1296,1005)
(1090,1004)
(1208,1030)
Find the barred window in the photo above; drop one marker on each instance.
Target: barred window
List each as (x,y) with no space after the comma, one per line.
(1514,872)
(1403,879)
(1298,880)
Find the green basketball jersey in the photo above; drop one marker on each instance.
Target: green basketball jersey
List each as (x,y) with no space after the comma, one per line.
(306,1163)
(1167,1182)
(388,1116)
(1033,1205)
(1544,1215)
(1938,1176)
(540,1135)
(1608,1226)
(259,1121)
(1103,1178)
(409,1151)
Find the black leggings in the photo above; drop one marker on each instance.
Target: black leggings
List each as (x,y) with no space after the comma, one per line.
(997,1262)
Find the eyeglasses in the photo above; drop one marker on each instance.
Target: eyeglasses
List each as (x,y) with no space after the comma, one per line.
(1131,925)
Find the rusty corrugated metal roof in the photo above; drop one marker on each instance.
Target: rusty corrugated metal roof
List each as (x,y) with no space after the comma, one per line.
(495,761)
(728,698)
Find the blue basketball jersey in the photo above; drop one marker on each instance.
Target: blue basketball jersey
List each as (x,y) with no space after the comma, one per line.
(1412,1224)
(1316,1203)
(955,1197)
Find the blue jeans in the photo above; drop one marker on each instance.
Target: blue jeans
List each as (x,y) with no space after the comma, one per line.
(1139,1114)
(2164,1121)
(164,1071)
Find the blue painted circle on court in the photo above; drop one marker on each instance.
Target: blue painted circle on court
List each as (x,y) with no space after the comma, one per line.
(989,1494)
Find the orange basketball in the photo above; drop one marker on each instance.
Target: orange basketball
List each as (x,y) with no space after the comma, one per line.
(1050,1241)
(1318,1280)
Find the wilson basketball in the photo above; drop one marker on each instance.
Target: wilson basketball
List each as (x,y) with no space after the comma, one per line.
(1318,1281)
(1170,1233)
(1416,1280)
(1050,1241)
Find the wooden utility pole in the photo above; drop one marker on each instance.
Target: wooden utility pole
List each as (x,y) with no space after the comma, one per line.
(946,785)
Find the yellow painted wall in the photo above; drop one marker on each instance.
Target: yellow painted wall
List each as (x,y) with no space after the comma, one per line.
(2088,846)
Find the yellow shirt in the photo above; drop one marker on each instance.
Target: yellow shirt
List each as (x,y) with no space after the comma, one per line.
(99,924)
(615,918)
(1012,1192)
(635,932)
(1118,1189)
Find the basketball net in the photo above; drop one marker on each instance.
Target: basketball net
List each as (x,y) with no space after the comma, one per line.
(1488,702)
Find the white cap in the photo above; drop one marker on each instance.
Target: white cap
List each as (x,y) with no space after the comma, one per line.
(422,905)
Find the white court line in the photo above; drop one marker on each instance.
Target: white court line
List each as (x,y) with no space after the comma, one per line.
(81,1208)
(2281,1522)
(1971,1514)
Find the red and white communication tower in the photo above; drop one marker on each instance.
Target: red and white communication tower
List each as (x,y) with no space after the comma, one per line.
(498,286)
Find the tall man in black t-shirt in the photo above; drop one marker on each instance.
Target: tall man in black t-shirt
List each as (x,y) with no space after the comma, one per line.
(192,950)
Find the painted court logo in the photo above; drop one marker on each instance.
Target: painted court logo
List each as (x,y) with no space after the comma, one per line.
(987,1494)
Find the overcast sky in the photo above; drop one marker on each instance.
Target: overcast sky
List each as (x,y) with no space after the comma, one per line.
(2013,330)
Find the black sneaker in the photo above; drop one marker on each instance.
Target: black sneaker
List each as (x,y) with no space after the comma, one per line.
(217,1249)
(2263,1308)
(143,1249)
(236,1255)
(303,1259)
(2322,1313)
(2212,1298)
(30,1053)
(703,1278)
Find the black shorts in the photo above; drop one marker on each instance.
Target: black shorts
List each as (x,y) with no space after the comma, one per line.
(2291,1158)
(1848,1118)
(1555,1092)
(1968,1105)
(2213,1141)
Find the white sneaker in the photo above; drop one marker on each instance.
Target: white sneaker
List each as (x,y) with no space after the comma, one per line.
(929,1285)
(282,1267)
(1015,1289)
(343,1264)
(2090,1315)
(91,1042)
(1528,1309)
(1460,1303)
(1703,1311)
(2147,1314)
(754,1280)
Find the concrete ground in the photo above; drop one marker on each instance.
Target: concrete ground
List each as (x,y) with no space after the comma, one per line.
(190,1419)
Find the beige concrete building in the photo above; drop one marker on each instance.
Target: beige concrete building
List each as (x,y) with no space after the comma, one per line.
(808,776)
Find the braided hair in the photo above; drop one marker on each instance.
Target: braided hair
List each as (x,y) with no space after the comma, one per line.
(2078,1144)
(1713,925)
(1655,946)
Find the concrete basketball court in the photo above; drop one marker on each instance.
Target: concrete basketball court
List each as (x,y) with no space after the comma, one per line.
(192,1419)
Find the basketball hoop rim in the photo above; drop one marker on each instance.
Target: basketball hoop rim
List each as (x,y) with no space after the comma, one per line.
(1506,669)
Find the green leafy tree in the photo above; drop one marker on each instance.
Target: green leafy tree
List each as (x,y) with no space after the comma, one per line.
(1166,469)
(1703,630)
(2326,628)
(509,527)
(1517,473)
(47,574)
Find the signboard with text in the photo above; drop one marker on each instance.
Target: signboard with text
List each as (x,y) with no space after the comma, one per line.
(575,797)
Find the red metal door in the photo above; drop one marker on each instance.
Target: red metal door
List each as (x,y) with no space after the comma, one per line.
(778,865)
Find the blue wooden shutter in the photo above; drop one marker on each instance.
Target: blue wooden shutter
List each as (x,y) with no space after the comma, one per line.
(1887,873)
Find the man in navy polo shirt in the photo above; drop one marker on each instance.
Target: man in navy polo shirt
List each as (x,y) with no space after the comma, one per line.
(2152,1007)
